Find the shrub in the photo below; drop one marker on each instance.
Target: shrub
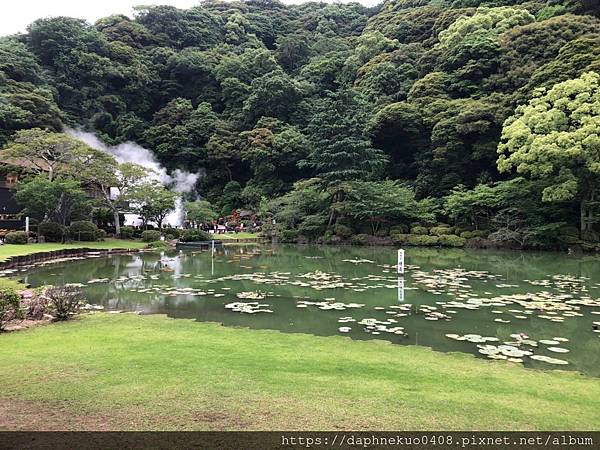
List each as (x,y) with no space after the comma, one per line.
(10,306)
(399,229)
(126,232)
(451,240)
(342,230)
(467,235)
(360,239)
(16,237)
(424,240)
(52,231)
(399,238)
(440,231)
(195,236)
(65,300)
(175,232)
(480,233)
(289,236)
(83,230)
(36,306)
(418,230)
(150,235)
(159,245)
(101,234)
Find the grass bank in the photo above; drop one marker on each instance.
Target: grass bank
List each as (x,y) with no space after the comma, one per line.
(122,371)
(8,250)
(242,235)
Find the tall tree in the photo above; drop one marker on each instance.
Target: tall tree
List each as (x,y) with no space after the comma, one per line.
(556,136)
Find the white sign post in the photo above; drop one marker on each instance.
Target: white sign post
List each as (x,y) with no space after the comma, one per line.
(401,261)
(400,290)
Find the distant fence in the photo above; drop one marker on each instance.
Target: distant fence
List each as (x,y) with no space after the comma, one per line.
(34,258)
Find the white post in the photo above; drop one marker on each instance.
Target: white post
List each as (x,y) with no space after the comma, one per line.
(212,248)
(400,290)
(401,261)
(27,224)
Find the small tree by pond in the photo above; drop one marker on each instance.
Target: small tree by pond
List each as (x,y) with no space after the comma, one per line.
(65,300)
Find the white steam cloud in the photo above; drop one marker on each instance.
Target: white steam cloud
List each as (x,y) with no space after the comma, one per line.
(181,181)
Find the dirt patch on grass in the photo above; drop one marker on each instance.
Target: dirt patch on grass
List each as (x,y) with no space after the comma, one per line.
(18,415)
(16,325)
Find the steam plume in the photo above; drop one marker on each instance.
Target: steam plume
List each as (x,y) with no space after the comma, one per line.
(181,181)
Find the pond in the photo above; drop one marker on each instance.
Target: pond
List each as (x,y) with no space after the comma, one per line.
(536,309)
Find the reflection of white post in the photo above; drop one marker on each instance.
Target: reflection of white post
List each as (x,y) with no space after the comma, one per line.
(401,261)
(400,290)
(27,224)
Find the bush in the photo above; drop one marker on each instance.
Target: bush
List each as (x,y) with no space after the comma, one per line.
(423,240)
(440,231)
(196,236)
(289,236)
(399,238)
(10,306)
(418,230)
(65,300)
(342,230)
(159,245)
(16,237)
(126,232)
(360,239)
(36,306)
(52,231)
(467,235)
(83,230)
(101,234)
(150,235)
(451,240)
(480,233)
(399,229)
(175,232)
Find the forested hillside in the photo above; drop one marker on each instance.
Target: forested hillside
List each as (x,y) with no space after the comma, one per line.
(341,119)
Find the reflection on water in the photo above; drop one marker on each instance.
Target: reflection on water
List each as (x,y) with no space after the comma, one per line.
(537,296)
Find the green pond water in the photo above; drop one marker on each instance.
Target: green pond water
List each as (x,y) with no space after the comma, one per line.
(356,292)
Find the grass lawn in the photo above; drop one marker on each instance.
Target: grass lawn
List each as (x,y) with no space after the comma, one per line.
(242,235)
(123,371)
(8,250)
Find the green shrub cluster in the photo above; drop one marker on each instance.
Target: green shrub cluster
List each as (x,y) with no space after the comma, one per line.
(451,240)
(126,233)
(440,231)
(289,236)
(360,239)
(83,230)
(159,245)
(342,231)
(196,236)
(10,306)
(16,237)
(52,231)
(150,235)
(419,230)
(423,240)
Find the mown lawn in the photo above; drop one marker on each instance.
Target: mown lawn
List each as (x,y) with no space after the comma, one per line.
(8,250)
(123,371)
(242,235)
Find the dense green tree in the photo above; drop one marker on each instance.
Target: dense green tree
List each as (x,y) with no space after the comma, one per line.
(556,137)
(380,202)
(53,200)
(200,212)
